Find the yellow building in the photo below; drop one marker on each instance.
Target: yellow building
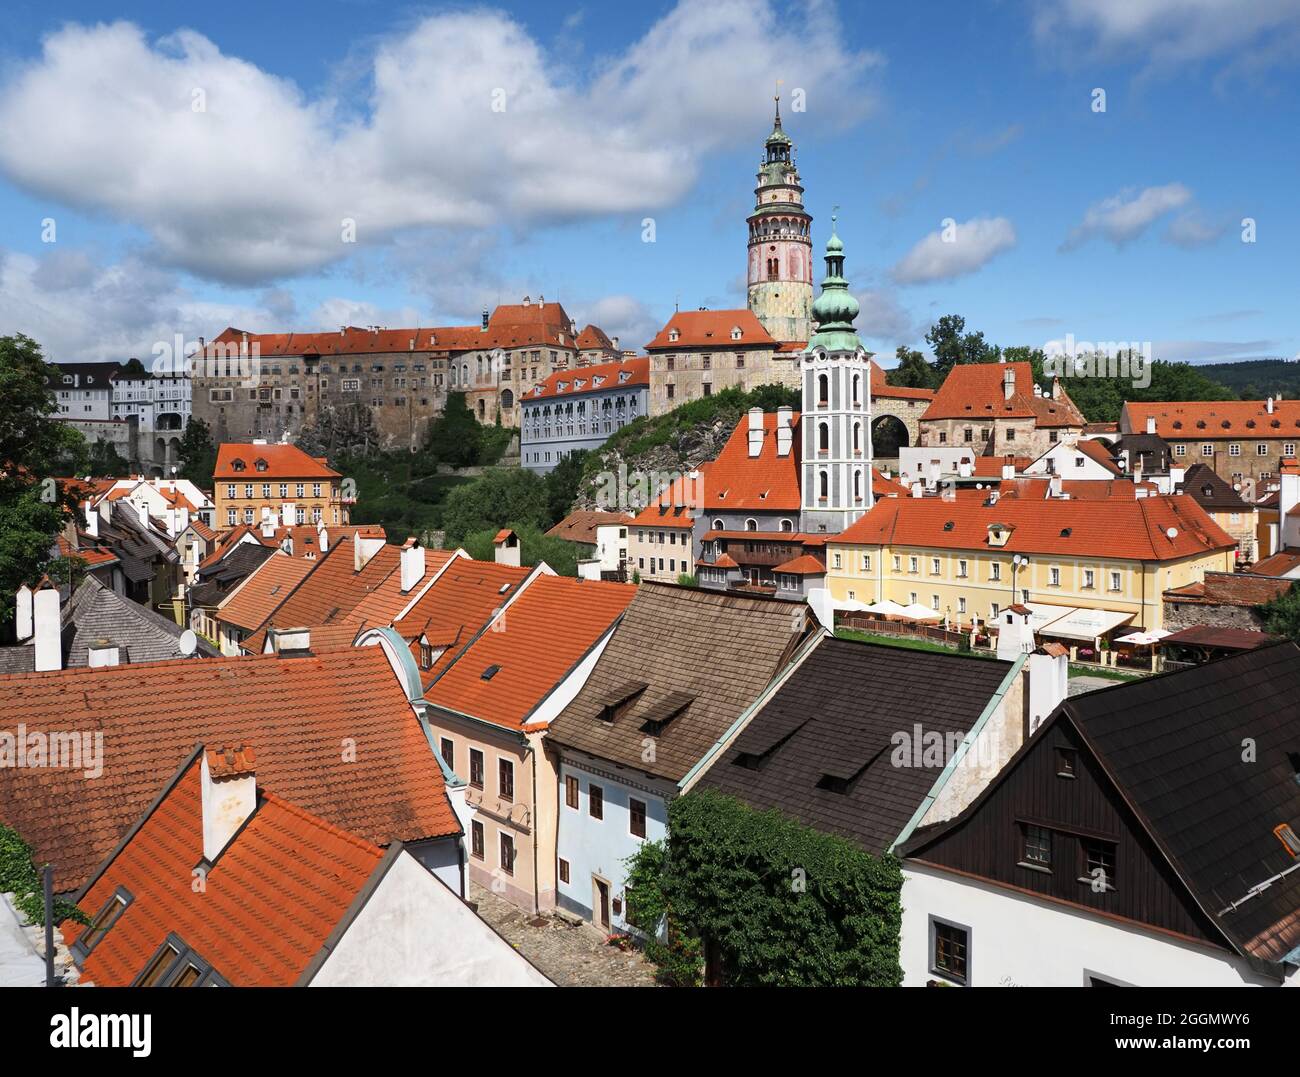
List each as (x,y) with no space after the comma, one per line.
(1086,568)
(253,481)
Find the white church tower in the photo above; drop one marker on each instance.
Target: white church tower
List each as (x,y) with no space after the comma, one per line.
(835,426)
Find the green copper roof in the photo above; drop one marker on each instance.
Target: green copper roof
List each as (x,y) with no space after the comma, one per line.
(834,310)
(778,133)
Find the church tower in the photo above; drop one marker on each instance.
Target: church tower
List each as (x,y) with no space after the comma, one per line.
(835,425)
(780,243)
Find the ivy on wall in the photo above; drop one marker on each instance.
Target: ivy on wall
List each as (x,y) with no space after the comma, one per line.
(762,900)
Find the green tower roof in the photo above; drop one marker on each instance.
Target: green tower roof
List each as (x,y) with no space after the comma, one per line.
(835,309)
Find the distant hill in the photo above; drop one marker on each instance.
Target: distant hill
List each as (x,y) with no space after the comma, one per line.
(1255,379)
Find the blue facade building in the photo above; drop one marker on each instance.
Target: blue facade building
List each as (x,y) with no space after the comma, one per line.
(579,409)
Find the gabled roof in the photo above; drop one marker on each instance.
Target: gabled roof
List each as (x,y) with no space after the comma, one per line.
(581,526)
(1279,564)
(886,487)
(1172,746)
(301,713)
(594,338)
(282,462)
(1230,589)
(459,604)
(700,657)
(675,504)
(712,329)
(803,565)
(738,482)
(1187,420)
(1212,493)
(1137,530)
(820,749)
(596,378)
(268,906)
(543,632)
(264,591)
(975,391)
(1098,451)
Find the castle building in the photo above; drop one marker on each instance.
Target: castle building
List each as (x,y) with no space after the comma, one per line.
(780,278)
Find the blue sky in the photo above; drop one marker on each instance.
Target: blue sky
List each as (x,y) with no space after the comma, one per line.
(1117,225)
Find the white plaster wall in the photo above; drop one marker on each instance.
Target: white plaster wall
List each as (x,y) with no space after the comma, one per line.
(414,932)
(1019,941)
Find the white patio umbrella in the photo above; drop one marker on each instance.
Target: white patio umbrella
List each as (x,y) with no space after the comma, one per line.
(886,608)
(1144,639)
(917,612)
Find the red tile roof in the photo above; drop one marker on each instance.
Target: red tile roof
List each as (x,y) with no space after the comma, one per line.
(880,387)
(581,526)
(1190,419)
(461,601)
(737,481)
(263,591)
(803,565)
(884,487)
(534,643)
(301,713)
(1130,530)
(267,906)
(283,462)
(974,391)
(674,505)
(991,466)
(1231,589)
(712,329)
(593,338)
(581,380)
(1279,564)
(1100,452)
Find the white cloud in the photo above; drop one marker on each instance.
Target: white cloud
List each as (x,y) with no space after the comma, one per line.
(1178,351)
(257,185)
(622,316)
(882,319)
(971,246)
(1125,216)
(1171,32)
(1193,229)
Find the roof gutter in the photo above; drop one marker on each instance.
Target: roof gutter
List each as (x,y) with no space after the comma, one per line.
(962,750)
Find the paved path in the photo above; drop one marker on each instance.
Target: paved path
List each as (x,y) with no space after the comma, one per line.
(20,965)
(1084,683)
(571,955)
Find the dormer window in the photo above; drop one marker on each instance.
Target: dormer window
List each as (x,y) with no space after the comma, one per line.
(237,465)
(736,333)
(261,465)
(674,334)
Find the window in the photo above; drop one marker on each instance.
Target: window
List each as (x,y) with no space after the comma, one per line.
(596,801)
(99,926)
(1207,449)
(505,779)
(476,768)
(913,564)
(1115,581)
(1180,450)
(1234,450)
(835,560)
(1261,449)
(898,563)
(961,605)
(564,870)
(636,817)
(1054,577)
(995,570)
(1089,579)
(934,566)
(449,753)
(1098,864)
(950,951)
(866,562)
(1288,449)
(476,839)
(507,854)
(571,791)
(1037,847)
(961,568)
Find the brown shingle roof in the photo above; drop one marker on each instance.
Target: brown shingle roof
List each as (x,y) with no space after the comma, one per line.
(716,649)
(581,526)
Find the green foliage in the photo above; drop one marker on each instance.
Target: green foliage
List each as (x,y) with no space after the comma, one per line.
(501,497)
(913,371)
(534,547)
(456,437)
(1101,399)
(562,484)
(198,455)
(676,956)
(685,579)
(19,876)
(133,370)
(1254,379)
(951,344)
(399,491)
(1282,614)
(784,905)
(104,461)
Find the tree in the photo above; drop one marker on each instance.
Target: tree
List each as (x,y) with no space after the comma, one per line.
(562,486)
(535,547)
(951,344)
(913,371)
(455,436)
(198,455)
(501,497)
(34,451)
(1282,614)
(104,461)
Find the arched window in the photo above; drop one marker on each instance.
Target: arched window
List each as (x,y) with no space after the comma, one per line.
(718,525)
(857,378)
(857,437)
(480,367)
(787,526)
(823,390)
(823,485)
(751,525)
(823,437)
(857,486)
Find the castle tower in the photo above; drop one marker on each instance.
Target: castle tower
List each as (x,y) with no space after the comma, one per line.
(835,426)
(780,244)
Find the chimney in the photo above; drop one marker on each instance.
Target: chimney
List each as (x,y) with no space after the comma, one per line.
(142,510)
(288,641)
(48,630)
(485,319)
(614,341)
(755,431)
(1269,405)
(1048,673)
(1008,383)
(412,565)
(1056,388)
(229,790)
(506,548)
(268,524)
(92,521)
(105,509)
(23,613)
(1151,424)
(784,430)
(1054,486)
(917,489)
(103,652)
(322,538)
(1008,470)
(288,514)
(363,549)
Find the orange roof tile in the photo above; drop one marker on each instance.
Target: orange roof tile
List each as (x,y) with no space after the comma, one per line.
(673,506)
(1100,452)
(1128,529)
(597,378)
(880,387)
(536,641)
(263,591)
(738,481)
(974,391)
(283,462)
(884,487)
(268,904)
(712,329)
(991,466)
(301,713)
(1190,419)
(593,338)
(803,565)
(582,525)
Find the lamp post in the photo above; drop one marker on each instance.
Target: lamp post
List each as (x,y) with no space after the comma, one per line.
(1017,562)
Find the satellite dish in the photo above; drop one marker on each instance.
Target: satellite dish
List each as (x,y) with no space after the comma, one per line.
(1172,532)
(189,642)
